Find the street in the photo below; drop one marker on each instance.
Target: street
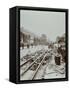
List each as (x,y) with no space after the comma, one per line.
(42,68)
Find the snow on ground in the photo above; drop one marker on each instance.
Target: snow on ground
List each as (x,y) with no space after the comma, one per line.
(27,76)
(30,50)
(40,72)
(49,71)
(54,71)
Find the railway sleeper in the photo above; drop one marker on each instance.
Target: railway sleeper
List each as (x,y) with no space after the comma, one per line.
(44,63)
(34,67)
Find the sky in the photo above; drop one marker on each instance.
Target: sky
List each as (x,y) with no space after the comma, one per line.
(43,22)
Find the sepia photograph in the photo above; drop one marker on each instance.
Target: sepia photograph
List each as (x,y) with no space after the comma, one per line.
(42,45)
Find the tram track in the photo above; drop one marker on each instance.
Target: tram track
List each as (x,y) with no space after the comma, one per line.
(38,61)
(32,57)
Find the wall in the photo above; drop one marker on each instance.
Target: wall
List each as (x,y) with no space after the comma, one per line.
(4,45)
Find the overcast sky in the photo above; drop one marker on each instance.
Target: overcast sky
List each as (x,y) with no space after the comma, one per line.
(43,22)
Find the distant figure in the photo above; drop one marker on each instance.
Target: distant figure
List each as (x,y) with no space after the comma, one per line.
(27,45)
(59,50)
(22,45)
(58,58)
(62,51)
(32,44)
